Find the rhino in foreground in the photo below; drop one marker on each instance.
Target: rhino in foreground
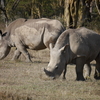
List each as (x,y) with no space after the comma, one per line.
(34,34)
(78,46)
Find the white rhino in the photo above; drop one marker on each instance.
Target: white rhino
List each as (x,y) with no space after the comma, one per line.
(78,46)
(10,29)
(35,34)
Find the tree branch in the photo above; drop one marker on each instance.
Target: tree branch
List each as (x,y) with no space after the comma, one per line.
(97,6)
(15,4)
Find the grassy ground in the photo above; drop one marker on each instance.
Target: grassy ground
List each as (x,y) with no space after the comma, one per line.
(22,81)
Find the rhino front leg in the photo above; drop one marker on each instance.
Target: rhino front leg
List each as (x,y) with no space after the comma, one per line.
(79,68)
(24,51)
(17,53)
(64,72)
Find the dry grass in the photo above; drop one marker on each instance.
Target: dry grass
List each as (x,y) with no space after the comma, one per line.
(22,81)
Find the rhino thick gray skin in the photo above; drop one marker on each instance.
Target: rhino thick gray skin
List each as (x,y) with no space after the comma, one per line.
(79,46)
(34,34)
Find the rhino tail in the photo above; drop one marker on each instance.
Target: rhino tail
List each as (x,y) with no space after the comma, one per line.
(0,35)
(0,32)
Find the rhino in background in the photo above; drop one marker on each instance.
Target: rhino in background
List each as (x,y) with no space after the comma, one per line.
(78,46)
(10,29)
(34,34)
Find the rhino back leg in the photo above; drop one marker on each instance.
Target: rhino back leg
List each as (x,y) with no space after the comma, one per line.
(87,68)
(24,51)
(17,53)
(80,61)
(97,68)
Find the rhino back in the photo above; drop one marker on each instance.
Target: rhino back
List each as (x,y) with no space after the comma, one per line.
(53,28)
(50,24)
(82,42)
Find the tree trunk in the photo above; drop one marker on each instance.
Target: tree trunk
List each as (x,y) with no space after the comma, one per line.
(71,13)
(67,14)
(85,12)
(15,4)
(32,16)
(2,8)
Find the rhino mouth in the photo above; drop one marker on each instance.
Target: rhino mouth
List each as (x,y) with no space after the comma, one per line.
(50,74)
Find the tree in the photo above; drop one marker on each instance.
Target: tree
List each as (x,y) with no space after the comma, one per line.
(71,13)
(97,3)
(78,12)
(2,8)
(85,11)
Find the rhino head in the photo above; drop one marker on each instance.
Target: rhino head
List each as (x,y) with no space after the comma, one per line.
(57,62)
(4,48)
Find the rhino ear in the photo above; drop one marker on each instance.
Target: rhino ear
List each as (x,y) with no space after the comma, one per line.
(64,47)
(0,35)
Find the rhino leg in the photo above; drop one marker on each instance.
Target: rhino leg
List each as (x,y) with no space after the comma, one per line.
(97,68)
(87,68)
(24,51)
(64,73)
(79,68)
(17,53)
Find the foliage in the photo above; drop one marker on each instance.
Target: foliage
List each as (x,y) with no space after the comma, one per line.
(94,24)
(33,8)
(42,8)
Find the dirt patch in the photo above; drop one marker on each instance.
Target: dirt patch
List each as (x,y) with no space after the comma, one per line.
(95,92)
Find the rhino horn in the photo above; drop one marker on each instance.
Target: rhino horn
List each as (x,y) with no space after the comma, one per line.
(51,46)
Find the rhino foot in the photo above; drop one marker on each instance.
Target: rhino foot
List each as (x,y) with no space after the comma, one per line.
(64,78)
(81,79)
(88,78)
(14,59)
(97,77)
(29,61)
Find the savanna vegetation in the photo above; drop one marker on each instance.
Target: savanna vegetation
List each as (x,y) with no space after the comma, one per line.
(23,81)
